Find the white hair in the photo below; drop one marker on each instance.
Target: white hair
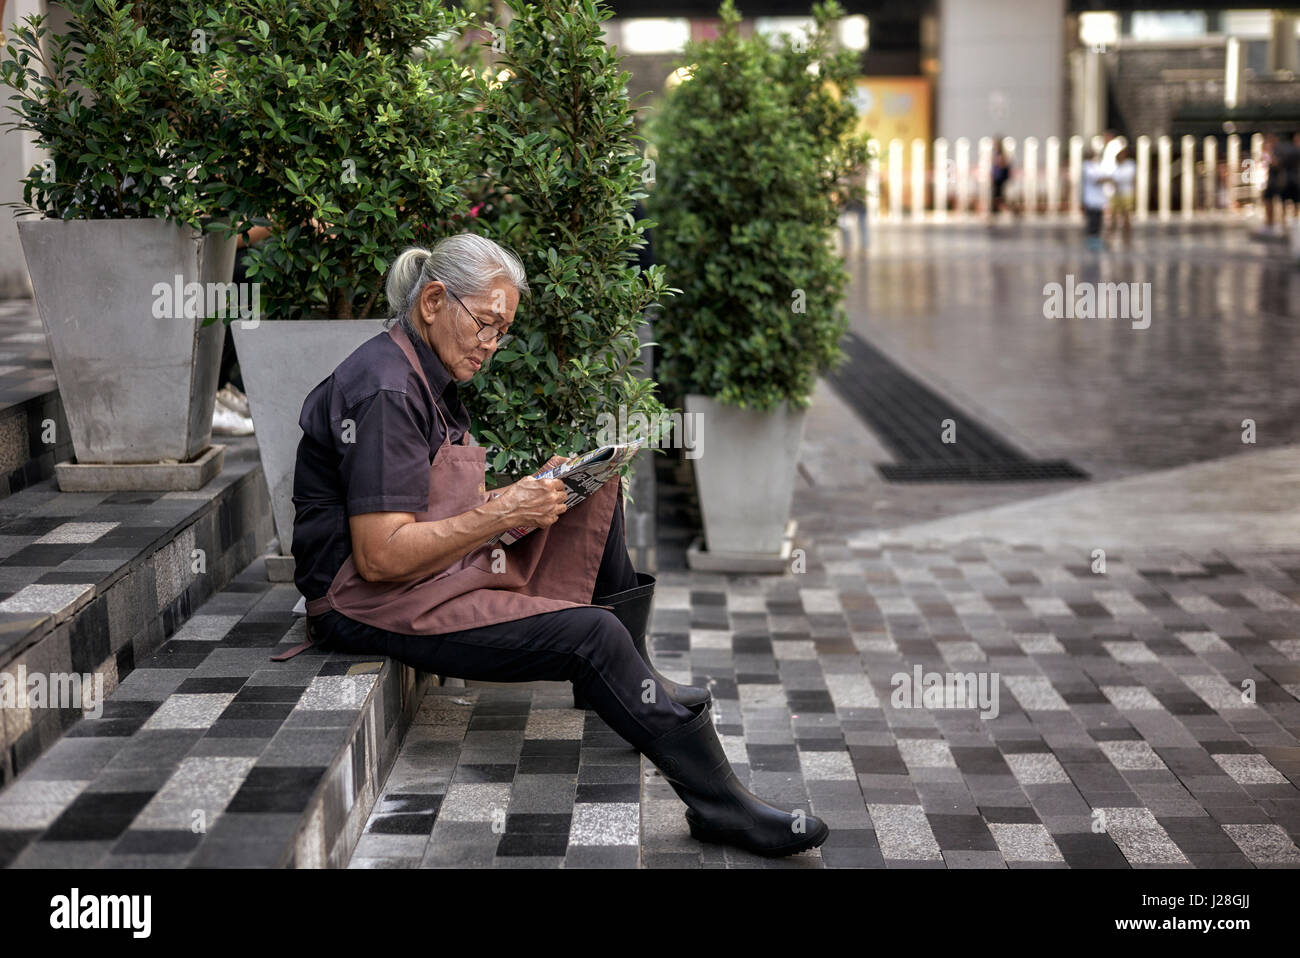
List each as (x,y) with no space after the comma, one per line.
(465,263)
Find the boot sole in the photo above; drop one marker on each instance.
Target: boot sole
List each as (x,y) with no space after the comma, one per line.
(703,834)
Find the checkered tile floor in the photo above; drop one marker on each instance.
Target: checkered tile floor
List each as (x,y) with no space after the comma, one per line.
(507,777)
(1144,717)
(206,729)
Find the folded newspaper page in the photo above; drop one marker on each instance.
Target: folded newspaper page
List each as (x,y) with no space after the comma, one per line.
(583,475)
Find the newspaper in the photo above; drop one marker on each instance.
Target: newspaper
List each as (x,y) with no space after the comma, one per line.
(583,475)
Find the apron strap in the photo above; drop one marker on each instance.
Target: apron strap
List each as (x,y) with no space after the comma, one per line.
(404,343)
(314,607)
(286,656)
(301,647)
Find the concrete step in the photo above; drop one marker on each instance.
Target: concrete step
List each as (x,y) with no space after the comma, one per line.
(209,754)
(91,584)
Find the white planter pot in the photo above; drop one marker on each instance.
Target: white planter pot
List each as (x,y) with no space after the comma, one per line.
(744,474)
(138,379)
(281,361)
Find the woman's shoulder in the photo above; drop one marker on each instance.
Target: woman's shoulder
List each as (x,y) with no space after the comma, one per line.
(377,364)
(377,371)
(375,367)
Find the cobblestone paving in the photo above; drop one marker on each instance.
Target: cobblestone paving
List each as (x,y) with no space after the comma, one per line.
(1146,716)
(205,755)
(1122,736)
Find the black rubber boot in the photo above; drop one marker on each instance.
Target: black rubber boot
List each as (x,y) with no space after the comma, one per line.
(633,607)
(720,809)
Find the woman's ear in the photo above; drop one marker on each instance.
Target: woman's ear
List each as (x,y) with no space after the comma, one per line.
(431,300)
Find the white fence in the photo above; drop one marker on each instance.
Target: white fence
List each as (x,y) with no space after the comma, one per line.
(1045,177)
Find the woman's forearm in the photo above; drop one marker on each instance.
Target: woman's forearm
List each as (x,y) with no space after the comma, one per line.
(421,549)
(389,547)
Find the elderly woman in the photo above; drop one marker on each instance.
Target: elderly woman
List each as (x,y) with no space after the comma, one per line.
(391,541)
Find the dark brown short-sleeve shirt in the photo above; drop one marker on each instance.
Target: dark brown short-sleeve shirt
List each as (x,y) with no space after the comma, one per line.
(369,434)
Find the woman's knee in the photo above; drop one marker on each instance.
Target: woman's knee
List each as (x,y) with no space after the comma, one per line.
(602,636)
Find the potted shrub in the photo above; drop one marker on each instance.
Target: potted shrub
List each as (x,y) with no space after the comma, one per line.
(562,161)
(125,200)
(752,151)
(355,143)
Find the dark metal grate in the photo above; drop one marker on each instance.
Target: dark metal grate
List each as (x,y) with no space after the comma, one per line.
(1030,470)
(907,416)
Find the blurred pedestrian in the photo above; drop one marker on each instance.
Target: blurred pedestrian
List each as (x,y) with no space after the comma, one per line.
(1223,188)
(1094,199)
(855,210)
(1288,155)
(1001,175)
(1281,157)
(1123,200)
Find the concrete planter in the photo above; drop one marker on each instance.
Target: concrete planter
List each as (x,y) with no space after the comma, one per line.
(281,361)
(745,478)
(138,377)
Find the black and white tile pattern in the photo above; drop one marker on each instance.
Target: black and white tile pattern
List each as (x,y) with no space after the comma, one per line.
(209,754)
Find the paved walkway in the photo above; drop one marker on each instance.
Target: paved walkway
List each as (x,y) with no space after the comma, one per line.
(1144,714)
(1120,735)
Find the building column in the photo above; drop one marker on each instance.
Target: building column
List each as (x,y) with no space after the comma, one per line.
(1088,85)
(1001,66)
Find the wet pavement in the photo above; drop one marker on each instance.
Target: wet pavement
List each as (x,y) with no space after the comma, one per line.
(963,306)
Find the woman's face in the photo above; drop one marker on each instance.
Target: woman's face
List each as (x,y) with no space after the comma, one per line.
(453,334)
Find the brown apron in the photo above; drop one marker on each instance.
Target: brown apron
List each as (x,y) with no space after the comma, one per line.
(548,570)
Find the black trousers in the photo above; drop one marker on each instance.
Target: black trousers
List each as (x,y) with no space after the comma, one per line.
(588,647)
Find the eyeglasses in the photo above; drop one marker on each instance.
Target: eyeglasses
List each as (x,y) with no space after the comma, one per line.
(492,332)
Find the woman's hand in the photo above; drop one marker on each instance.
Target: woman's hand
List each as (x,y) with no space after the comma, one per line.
(553,462)
(534,502)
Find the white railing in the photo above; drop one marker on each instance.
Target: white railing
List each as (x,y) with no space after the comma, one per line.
(941,181)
